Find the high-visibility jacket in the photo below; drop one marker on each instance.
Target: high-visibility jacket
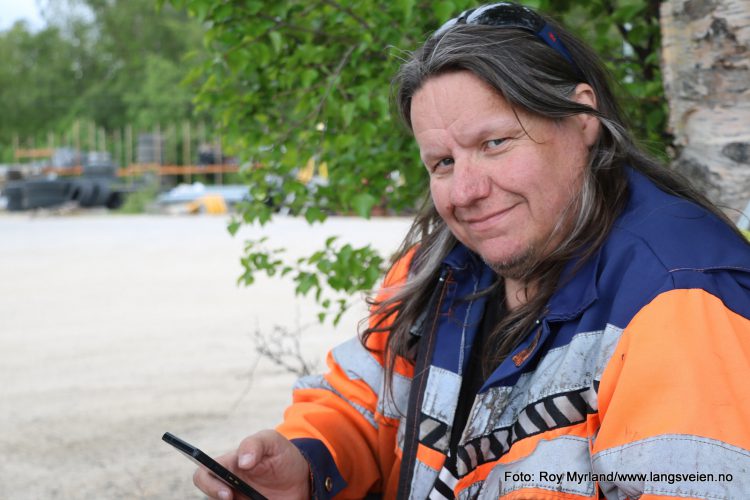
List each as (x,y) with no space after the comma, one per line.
(635,383)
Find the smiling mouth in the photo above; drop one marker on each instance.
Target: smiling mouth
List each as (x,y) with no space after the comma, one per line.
(488,221)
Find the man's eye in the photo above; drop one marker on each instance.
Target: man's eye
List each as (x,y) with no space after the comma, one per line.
(494,143)
(445,162)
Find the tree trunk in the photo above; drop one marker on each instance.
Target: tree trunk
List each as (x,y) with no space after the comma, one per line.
(706,70)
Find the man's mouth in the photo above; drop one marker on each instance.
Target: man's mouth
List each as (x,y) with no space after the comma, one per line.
(487,221)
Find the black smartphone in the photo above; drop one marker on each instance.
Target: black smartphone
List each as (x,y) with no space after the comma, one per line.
(219,470)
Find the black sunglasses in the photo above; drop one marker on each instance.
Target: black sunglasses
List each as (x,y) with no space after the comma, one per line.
(512,15)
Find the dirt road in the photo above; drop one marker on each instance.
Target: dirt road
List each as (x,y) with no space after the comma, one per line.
(116,329)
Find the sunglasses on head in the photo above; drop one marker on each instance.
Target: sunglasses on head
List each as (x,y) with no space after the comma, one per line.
(512,15)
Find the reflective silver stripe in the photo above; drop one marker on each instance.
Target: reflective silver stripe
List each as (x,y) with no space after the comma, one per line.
(400,434)
(513,436)
(548,467)
(441,394)
(311,382)
(428,426)
(472,453)
(502,437)
(542,411)
(449,479)
(446,480)
(660,460)
(527,425)
(436,495)
(566,408)
(422,481)
(591,397)
(484,446)
(394,406)
(359,364)
(566,368)
(319,382)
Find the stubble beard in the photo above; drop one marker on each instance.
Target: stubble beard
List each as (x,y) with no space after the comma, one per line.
(516,267)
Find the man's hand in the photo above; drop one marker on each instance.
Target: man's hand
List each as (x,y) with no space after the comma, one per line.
(267,461)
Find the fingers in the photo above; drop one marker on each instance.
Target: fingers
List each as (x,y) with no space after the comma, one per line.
(261,445)
(267,461)
(210,484)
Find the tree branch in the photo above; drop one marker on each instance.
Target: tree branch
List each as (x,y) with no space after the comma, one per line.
(283,348)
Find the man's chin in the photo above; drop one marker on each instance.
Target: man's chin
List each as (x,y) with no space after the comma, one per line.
(514,266)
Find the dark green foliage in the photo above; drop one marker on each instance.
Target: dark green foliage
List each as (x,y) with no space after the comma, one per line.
(38,80)
(142,54)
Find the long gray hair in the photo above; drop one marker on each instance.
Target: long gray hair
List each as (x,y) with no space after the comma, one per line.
(530,76)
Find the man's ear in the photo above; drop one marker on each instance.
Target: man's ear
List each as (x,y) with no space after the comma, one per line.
(590,125)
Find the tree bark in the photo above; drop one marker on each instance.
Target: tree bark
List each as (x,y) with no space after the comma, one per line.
(706,71)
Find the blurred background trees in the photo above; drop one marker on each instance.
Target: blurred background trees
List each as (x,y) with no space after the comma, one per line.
(110,62)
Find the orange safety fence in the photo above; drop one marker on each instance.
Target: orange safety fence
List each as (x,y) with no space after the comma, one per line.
(152,168)
(33,153)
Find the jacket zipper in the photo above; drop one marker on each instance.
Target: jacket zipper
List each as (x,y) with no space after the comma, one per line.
(421,371)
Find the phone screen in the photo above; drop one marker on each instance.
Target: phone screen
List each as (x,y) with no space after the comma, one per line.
(218,470)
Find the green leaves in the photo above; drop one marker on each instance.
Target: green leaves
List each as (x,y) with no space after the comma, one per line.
(333,275)
(406,7)
(363,204)
(308,77)
(444,10)
(627,10)
(347,113)
(314,214)
(234,226)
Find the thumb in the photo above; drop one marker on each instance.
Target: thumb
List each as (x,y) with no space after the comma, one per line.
(253,449)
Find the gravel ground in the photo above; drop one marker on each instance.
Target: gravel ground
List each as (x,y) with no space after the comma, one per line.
(115,329)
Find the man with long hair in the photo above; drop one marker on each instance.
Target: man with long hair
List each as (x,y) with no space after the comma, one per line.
(567,318)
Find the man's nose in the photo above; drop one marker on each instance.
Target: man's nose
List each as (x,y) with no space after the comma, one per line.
(470,183)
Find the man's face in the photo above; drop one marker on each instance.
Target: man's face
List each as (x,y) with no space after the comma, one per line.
(501,185)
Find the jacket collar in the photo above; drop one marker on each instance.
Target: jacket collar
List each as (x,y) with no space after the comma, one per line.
(578,289)
(461,258)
